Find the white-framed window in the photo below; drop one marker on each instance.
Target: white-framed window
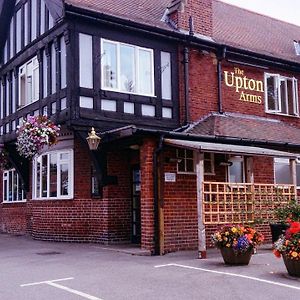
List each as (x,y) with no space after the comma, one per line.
(236,169)
(282,172)
(29,82)
(53,175)
(186,162)
(281,95)
(12,187)
(127,68)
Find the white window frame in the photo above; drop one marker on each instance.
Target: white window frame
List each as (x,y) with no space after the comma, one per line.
(212,162)
(278,110)
(136,67)
(285,161)
(69,161)
(35,86)
(6,178)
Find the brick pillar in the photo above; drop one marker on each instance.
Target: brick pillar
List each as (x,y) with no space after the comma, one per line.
(147,194)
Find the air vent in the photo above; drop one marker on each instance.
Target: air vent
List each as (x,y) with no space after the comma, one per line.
(297,47)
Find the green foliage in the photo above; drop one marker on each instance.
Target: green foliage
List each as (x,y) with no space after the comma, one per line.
(291,211)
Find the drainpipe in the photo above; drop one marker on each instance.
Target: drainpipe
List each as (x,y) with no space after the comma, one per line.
(219,71)
(156,187)
(186,84)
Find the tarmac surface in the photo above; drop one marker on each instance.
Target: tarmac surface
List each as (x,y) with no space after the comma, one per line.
(37,270)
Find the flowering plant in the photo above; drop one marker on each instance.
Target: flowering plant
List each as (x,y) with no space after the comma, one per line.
(288,244)
(240,238)
(34,134)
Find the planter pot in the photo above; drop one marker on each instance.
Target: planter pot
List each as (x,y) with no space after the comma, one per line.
(277,229)
(292,266)
(232,258)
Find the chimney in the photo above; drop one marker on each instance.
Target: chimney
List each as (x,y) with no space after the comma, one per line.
(181,12)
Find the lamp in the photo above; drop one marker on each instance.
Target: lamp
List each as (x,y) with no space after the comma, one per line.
(93,139)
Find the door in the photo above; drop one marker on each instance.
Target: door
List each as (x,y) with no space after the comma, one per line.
(136,206)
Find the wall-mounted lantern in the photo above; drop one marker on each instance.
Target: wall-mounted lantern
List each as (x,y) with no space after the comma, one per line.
(93,140)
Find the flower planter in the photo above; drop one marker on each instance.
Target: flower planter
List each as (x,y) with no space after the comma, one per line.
(292,266)
(231,257)
(277,229)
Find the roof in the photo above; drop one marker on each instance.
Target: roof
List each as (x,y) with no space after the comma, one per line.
(232,26)
(139,11)
(228,148)
(245,127)
(248,30)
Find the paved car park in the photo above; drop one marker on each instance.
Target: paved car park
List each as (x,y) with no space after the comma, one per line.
(37,270)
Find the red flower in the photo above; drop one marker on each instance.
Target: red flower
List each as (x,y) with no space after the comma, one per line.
(294,228)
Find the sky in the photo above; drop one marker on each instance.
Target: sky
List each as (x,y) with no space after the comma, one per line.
(286,10)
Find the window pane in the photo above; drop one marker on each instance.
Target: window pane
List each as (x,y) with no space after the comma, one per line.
(53,69)
(86,60)
(166,75)
(109,68)
(53,175)
(127,79)
(10,186)
(45,74)
(63,63)
(5,187)
(282,173)
(189,165)
(33,19)
(20,190)
(283,96)
(236,171)
(18,30)
(38,179)
(145,72)
(290,95)
(15,185)
(272,93)
(44,175)
(64,178)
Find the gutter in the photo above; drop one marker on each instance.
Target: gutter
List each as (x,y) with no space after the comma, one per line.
(219,72)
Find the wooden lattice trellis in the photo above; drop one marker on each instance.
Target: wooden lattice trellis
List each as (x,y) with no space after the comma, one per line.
(243,202)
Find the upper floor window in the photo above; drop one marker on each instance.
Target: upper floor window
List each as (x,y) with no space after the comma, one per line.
(281,94)
(29,82)
(12,187)
(127,68)
(53,175)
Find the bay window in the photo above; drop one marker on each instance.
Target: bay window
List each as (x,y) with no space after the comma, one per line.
(281,94)
(127,68)
(12,187)
(53,175)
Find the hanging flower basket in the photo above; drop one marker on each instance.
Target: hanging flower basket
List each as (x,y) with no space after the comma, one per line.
(34,134)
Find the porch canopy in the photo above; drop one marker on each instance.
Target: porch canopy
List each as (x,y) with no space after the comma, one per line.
(229,148)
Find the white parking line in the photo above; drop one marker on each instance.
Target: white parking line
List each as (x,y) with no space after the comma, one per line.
(47,281)
(62,287)
(230,274)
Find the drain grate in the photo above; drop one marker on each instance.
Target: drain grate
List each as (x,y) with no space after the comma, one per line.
(48,253)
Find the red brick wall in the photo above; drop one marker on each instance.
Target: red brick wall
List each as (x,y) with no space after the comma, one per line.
(180,203)
(147,194)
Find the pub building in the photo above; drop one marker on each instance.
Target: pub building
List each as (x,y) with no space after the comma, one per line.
(194,104)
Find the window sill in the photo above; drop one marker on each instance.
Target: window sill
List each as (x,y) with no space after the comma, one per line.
(13,202)
(52,199)
(283,115)
(130,93)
